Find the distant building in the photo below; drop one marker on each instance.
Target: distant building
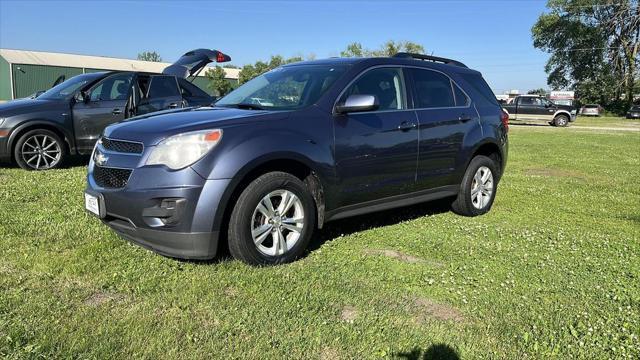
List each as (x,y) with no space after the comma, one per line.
(23,73)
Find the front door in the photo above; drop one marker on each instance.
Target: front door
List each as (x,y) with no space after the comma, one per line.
(376,151)
(534,108)
(106,104)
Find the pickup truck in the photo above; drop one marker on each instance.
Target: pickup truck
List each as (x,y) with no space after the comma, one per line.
(534,107)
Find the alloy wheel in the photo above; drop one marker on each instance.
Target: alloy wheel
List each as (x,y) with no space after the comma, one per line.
(277,222)
(482,187)
(41,152)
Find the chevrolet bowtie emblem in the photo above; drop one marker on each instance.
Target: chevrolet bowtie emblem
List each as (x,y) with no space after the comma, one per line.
(100,159)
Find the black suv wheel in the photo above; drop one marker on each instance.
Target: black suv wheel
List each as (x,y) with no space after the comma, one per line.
(272,221)
(478,187)
(40,149)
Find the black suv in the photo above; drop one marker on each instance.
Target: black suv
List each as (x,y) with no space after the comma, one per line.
(40,132)
(297,147)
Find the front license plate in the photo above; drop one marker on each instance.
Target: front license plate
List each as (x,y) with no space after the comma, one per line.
(92,204)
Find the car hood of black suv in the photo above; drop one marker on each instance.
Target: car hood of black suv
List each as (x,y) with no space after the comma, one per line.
(152,129)
(29,106)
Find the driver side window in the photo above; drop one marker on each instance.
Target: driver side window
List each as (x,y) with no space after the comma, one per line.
(386,84)
(114,87)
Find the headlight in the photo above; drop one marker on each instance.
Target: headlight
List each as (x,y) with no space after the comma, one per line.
(574,111)
(1,121)
(182,150)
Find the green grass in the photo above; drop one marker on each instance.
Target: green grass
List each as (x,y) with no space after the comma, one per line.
(606,121)
(552,272)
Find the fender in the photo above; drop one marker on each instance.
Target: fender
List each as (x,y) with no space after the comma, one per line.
(563,112)
(67,136)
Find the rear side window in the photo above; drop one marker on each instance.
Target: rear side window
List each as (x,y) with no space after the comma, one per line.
(432,89)
(478,84)
(163,86)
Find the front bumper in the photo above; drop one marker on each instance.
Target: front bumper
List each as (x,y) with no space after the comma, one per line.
(5,152)
(633,116)
(169,212)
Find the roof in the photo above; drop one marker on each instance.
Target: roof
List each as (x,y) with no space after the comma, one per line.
(28,57)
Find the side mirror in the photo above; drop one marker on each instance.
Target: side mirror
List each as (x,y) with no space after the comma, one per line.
(358,103)
(85,96)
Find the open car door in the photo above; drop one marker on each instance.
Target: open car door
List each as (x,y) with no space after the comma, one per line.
(191,63)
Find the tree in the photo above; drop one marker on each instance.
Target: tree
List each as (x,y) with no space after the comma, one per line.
(149,56)
(250,71)
(218,81)
(593,46)
(389,48)
(540,91)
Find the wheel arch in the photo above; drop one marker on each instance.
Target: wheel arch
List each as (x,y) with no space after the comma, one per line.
(35,125)
(490,149)
(291,163)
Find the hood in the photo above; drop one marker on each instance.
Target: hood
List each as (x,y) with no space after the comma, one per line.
(25,106)
(566,107)
(151,129)
(195,60)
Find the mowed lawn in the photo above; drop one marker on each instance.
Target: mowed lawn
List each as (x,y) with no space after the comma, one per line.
(552,272)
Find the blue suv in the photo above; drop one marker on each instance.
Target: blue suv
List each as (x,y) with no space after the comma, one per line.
(295,148)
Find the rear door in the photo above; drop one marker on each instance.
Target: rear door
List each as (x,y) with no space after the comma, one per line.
(106,105)
(161,93)
(445,116)
(534,108)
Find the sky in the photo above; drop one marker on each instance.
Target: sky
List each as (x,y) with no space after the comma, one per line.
(493,37)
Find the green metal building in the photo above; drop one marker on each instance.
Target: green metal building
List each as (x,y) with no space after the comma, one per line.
(23,73)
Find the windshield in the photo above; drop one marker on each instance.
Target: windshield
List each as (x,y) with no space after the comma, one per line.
(285,88)
(68,88)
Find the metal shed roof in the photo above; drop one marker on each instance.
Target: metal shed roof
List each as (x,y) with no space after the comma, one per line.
(90,62)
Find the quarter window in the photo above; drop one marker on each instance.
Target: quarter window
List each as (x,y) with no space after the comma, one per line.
(386,84)
(461,98)
(433,89)
(163,86)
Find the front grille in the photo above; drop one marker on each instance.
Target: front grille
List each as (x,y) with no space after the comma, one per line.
(110,177)
(122,146)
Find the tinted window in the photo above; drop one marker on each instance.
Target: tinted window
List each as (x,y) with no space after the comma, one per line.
(461,98)
(386,84)
(478,84)
(433,89)
(188,89)
(285,88)
(163,86)
(114,87)
(530,101)
(67,89)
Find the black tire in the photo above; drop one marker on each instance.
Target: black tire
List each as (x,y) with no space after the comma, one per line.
(561,121)
(24,151)
(241,243)
(464,204)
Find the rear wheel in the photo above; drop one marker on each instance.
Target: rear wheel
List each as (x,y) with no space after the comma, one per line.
(561,121)
(478,187)
(272,221)
(40,149)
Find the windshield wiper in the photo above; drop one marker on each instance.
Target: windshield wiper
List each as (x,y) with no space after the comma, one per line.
(245,106)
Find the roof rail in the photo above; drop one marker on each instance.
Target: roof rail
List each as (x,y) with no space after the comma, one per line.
(405,55)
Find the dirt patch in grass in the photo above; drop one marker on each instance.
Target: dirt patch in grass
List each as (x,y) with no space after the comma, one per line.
(328,353)
(99,298)
(349,314)
(231,291)
(554,173)
(425,309)
(394,254)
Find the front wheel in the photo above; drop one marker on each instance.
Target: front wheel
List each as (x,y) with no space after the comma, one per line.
(561,121)
(40,149)
(478,187)
(272,221)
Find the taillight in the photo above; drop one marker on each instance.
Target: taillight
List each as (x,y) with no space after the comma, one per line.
(505,120)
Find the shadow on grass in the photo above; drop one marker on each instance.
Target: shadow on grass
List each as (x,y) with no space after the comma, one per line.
(334,229)
(434,352)
(71,162)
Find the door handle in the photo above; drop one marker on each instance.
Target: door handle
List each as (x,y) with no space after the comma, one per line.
(116,111)
(173,105)
(406,126)
(464,118)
